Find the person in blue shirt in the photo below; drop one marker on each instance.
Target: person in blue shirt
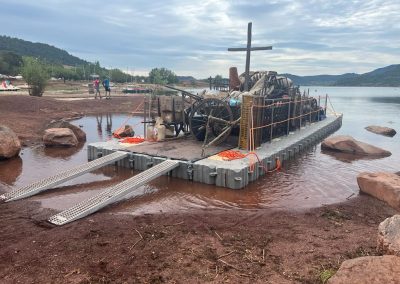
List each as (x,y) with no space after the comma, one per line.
(106,85)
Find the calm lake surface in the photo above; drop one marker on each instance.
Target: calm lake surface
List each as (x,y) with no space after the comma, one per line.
(312,179)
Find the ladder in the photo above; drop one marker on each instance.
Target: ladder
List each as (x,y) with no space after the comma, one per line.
(53,181)
(112,194)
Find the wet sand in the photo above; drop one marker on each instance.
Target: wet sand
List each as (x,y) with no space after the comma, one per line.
(208,245)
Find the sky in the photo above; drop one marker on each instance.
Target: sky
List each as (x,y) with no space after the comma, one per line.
(191,37)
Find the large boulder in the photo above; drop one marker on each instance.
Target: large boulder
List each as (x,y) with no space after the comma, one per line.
(386,131)
(383,186)
(79,133)
(9,143)
(348,144)
(368,269)
(389,236)
(63,137)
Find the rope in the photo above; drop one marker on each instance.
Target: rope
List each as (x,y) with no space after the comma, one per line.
(126,120)
(333,109)
(132,140)
(230,155)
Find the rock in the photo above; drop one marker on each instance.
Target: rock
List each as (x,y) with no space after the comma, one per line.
(389,236)
(348,144)
(9,143)
(59,137)
(127,131)
(368,269)
(386,131)
(79,133)
(383,186)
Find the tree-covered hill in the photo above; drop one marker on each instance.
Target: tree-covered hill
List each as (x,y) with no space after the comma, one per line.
(43,51)
(321,80)
(388,76)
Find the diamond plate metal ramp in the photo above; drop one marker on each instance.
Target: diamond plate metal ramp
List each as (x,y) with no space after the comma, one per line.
(112,194)
(62,177)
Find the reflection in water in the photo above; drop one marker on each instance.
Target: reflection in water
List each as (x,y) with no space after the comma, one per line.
(99,119)
(10,170)
(312,179)
(109,124)
(60,152)
(387,100)
(348,157)
(108,128)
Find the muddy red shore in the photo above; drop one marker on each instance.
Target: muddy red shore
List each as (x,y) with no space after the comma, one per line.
(28,116)
(236,246)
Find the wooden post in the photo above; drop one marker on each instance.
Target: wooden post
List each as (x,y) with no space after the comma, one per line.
(247,70)
(248,49)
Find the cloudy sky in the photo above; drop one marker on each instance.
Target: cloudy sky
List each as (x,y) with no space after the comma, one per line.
(192,37)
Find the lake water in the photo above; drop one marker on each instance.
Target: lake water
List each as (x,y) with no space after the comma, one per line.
(312,179)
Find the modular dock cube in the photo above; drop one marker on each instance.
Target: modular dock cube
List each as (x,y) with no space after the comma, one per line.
(233,174)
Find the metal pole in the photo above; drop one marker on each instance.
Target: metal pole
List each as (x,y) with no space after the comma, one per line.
(272,122)
(319,105)
(288,117)
(326,102)
(145,117)
(301,110)
(309,104)
(247,71)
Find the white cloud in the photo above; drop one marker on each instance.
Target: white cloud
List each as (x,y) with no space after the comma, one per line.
(309,37)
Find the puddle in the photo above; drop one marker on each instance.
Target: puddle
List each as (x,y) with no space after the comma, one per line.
(311,180)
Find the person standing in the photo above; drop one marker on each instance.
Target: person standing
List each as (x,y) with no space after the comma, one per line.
(106,85)
(96,85)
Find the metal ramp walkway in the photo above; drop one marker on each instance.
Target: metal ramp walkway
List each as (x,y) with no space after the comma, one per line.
(62,177)
(112,194)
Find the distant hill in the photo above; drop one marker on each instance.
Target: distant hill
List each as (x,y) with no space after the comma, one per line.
(322,80)
(388,76)
(186,79)
(46,52)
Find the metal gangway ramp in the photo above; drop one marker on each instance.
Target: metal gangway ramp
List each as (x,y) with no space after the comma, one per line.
(53,181)
(112,194)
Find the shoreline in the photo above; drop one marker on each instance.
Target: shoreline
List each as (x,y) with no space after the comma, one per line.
(208,245)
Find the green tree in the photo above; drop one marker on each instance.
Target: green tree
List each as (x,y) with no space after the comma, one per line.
(162,76)
(218,80)
(10,63)
(36,75)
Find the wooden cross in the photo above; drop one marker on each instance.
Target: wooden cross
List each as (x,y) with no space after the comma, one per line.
(248,49)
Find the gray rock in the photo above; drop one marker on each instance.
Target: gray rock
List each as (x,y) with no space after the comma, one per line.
(383,186)
(368,269)
(10,146)
(389,236)
(348,144)
(386,131)
(63,137)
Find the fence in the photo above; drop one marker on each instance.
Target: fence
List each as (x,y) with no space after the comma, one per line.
(270,118)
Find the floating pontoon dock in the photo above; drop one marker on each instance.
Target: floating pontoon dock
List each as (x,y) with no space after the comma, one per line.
(233,174)
(180,158)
